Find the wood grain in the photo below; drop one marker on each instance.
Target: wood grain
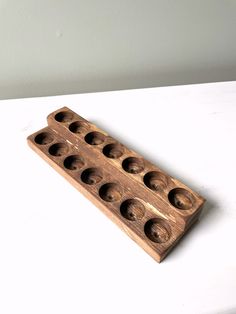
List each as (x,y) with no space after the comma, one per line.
(152,207)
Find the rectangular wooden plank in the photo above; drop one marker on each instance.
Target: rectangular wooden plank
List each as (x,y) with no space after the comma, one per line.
(152,207)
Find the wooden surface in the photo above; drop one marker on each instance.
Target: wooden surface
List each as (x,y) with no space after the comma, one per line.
(152,207)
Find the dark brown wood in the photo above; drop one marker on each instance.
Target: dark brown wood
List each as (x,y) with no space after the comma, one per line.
(152,207)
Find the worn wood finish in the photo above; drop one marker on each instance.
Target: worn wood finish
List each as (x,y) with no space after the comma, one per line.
(153,208)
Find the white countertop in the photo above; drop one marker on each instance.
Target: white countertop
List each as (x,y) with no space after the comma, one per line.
(60,254)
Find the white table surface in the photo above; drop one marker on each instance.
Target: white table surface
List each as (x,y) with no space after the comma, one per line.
(60,254)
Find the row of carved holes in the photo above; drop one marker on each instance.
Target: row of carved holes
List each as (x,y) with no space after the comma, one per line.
(154,180)
(156,229)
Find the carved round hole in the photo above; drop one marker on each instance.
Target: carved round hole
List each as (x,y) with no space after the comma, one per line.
(91,176)
(94,138)
(181,198)
(155,180)
(157,230)
(58,149)
(132,209)
(133,165)
(44,138)
(113,151)
(110,192)
(64,116)
(78,127)
(73,162)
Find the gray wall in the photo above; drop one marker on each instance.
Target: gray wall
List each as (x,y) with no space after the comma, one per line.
(53,47)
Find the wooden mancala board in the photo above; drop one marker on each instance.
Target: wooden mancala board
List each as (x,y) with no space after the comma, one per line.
(153,208)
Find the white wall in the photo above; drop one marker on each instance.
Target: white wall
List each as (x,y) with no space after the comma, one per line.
(55,47)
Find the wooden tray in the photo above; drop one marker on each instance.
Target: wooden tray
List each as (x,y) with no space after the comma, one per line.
(152,207)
